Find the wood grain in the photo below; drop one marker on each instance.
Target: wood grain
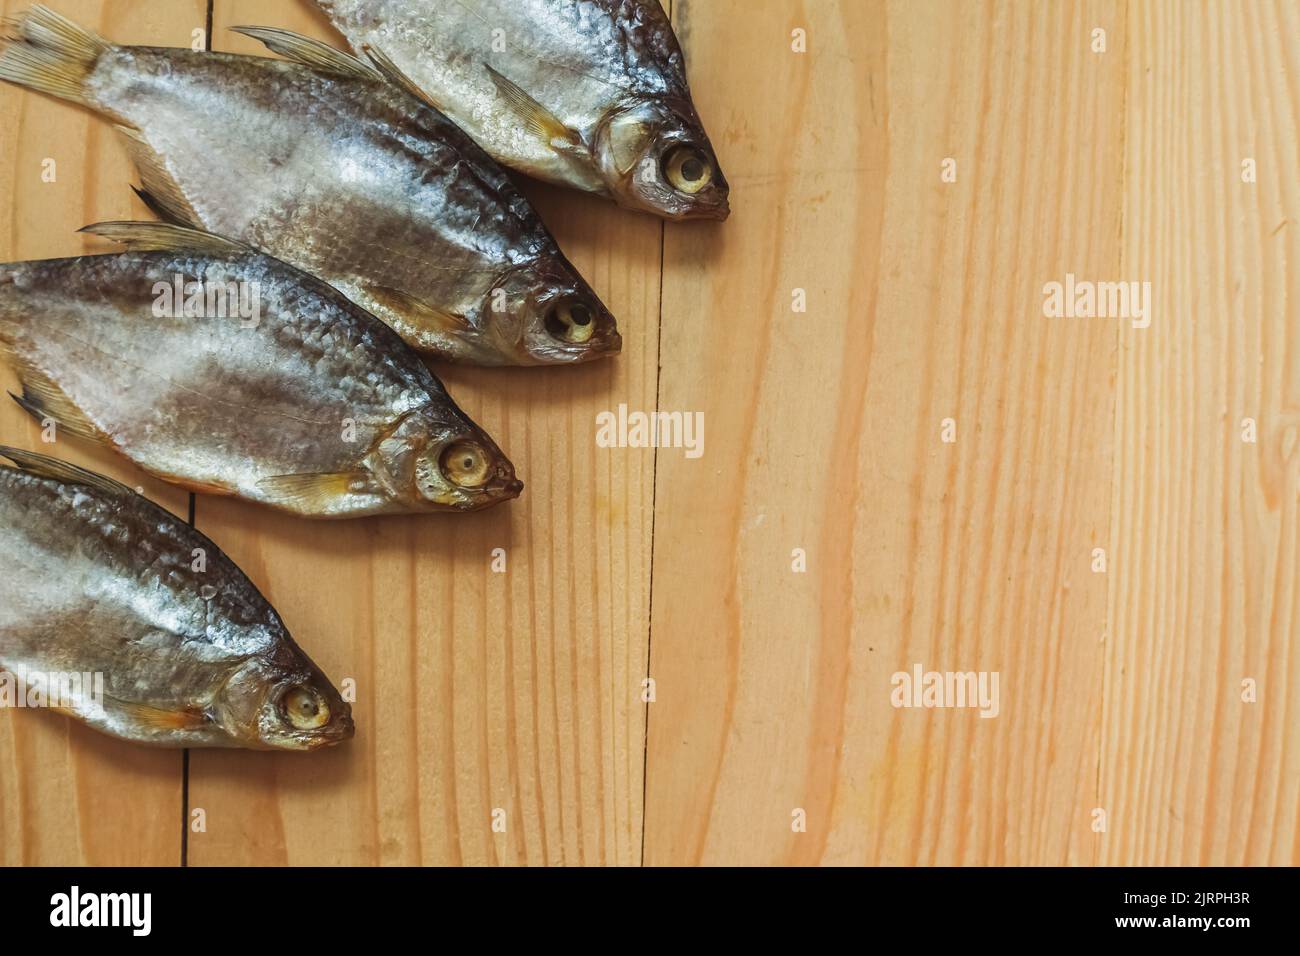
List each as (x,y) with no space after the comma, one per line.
(70,796)
(1120,691)
(1204,524)
(925,303)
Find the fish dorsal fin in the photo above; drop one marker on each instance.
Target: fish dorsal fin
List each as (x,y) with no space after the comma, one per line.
(166,237)
(393,74)
(536,118)
(43,466)
(309,52)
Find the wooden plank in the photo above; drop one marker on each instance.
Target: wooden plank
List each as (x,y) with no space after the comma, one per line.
(1118,691)
(68,795)
(823,429)
(476,690)
(1204,523)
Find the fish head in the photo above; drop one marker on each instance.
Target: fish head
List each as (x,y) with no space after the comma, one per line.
(436,459)
(544,313)
(283,703)
(654,156)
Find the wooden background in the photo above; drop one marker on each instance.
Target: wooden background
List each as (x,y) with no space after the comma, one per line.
(1120,691)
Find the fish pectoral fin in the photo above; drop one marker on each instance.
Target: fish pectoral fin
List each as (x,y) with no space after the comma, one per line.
(166,237)
(419,311)
(43,466)
(161,193)
(536,117)
(162,718)
(309,52)
(45,401)
(314,494)
(391,72)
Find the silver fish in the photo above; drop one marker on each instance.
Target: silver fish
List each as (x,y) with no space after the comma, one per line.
(226,371)
(117,613)
(590,94)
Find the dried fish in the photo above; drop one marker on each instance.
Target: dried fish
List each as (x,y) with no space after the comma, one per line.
(224,370)
(585,93)
(117,613)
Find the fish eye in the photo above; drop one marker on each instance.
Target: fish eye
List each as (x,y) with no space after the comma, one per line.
(465,464)
(305,708)
(572,322)
(687,169)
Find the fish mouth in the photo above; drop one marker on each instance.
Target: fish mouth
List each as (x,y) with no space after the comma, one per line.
(603,344)
(607,343)
(612,343)
(493,494)
(333,735)
(504,487)
(716,210)
(714,206)
(721,212)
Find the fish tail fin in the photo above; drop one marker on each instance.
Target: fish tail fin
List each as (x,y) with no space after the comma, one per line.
(46,51)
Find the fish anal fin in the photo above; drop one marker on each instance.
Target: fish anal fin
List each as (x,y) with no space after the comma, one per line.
(315,494)
(417,312)
(52,405)
(309,52)
(161,192)
(166,237)
(157,207)
(198,487)
(536,118)
(190,484)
